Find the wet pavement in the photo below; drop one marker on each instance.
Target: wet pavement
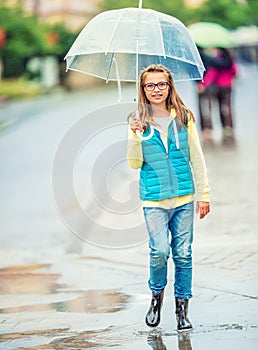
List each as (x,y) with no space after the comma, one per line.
(60,292)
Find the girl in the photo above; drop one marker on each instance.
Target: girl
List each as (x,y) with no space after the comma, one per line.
(166,185)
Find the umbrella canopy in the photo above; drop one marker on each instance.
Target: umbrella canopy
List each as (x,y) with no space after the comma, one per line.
(118,44)
(209,34)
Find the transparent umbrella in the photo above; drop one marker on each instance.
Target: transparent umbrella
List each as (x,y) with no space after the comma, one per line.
(118,44)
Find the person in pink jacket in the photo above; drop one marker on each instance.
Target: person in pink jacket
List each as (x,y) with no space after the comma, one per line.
(218,82)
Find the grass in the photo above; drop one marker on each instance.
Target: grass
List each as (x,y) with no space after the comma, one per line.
(19,88)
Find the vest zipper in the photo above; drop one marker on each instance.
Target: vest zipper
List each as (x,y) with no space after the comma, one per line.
(167,156)
(169,172)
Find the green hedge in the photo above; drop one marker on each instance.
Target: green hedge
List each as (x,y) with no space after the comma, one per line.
(19,88)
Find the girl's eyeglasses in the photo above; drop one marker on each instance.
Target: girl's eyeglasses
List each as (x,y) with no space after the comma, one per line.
(162,85)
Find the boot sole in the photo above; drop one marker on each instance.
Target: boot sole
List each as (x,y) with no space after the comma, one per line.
(185,330)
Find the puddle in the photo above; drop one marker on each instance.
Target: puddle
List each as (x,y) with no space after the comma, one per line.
(81,340)
(29,279)
(200,329)
(91,301)
(95,301)
(26,334)
(36,279)
(223,337)
(76,342)
(213,337)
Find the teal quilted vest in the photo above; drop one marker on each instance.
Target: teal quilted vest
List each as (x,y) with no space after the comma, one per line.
(166,174)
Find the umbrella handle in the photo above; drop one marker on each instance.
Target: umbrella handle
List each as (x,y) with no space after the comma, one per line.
(145,138)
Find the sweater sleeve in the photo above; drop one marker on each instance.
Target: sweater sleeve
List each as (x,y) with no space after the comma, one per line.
(134,150)
(198,164)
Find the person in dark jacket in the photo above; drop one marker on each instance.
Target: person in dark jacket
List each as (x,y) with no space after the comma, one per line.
(217,84)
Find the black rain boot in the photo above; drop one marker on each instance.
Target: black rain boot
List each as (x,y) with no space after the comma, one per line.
(183,322)
(153,315)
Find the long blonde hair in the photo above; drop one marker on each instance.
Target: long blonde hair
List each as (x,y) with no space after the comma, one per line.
(173,100)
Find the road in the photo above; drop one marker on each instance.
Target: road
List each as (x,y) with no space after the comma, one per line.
(73,247)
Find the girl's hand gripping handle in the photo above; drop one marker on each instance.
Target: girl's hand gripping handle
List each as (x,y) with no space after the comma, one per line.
(135,123)
(136,126)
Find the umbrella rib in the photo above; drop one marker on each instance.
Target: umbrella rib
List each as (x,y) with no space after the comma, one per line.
(113,33)
(118,81)
(161,37)
(111,63)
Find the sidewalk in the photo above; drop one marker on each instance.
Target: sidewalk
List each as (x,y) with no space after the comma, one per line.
(61,302)
(77,295)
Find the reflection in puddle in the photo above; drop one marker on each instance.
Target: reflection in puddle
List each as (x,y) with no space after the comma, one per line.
(95,301)
(36,279)
(159,339)
(156,343)
(81,340)
(184,341)
(28,279)
(92,301)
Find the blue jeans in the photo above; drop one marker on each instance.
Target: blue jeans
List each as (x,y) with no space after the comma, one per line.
(179,222)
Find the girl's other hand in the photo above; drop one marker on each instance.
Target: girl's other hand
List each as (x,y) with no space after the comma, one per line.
(203,208)
(135,124)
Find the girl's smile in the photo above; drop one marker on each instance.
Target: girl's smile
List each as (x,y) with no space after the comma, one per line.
(157,95)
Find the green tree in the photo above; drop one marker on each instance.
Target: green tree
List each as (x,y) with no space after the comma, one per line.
(24,39)
(230,13)
(59,40)
(253,12)
(173,8)
(27,37)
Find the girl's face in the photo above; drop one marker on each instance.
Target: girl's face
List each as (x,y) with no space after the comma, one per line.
(156,93)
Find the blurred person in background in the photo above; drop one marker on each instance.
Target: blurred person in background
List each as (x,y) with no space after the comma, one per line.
(221,71)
